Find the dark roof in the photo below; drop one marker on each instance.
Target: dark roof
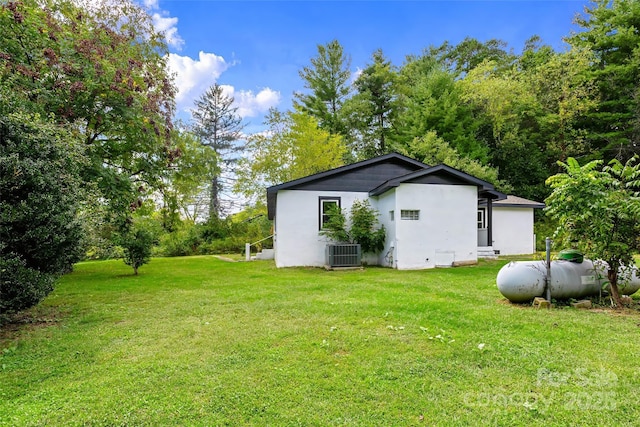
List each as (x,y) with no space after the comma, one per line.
(380,174)
(356,177)
(391,159)
(440,174)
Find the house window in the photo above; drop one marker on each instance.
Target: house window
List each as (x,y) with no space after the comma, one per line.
(392,215)
(327,204)
(411,215)
(482,214)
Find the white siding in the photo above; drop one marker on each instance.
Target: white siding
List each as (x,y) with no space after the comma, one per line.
(513,230)
(297,240)
(446,231)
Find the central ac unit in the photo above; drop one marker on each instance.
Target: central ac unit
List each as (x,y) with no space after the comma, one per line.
(343,255)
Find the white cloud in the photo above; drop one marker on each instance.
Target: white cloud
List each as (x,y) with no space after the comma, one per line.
(151,4)
(168,26)
(194,76)
(250,104)
(164,23)
(356,74)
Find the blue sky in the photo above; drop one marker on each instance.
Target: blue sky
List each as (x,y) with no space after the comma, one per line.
(256,48)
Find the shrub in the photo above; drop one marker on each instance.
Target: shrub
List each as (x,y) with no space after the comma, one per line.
(21,287)
(40,235)
(360,229)
(186,240)
(224,246)
(137,245)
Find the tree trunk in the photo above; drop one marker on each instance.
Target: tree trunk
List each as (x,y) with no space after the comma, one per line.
(612,275)
(214,201)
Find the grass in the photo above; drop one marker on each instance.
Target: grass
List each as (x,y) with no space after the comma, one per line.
(200,341)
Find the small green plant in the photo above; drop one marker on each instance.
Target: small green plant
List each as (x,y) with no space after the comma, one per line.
(361,228)
(137,245)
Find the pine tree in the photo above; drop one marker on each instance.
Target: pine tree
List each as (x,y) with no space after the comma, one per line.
(327,80)
(218,126)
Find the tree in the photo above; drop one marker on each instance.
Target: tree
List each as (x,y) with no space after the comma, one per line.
(218,126)
(469,53)
(292,147)
(137,244)
(611,33)
(101,70)
(374,109)
(433,102)
(40,235)
(327,79)
(433,150)
(360,228)
(187,180)
(563,98)
(598,210)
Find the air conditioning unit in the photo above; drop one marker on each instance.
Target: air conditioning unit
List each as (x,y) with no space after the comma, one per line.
(343,255)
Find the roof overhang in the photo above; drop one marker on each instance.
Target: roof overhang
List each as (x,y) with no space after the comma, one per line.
(450,175)
(305,182)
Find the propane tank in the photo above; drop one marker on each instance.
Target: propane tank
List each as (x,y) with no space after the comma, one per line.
(521,281)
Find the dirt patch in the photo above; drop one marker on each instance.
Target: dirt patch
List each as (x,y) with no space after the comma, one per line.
(33,319)
(224,258)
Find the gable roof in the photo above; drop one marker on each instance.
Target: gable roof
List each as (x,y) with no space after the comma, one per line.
(392,158)
(357,177)
(440,174)
(378,175)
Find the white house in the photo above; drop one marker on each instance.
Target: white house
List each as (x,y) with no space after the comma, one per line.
(433,216)
(512,222)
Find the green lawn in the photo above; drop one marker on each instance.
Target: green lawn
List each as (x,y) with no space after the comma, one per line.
(200,341)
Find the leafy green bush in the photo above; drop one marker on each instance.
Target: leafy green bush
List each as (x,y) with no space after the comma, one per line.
(21,287)
(360,229)
(186,240)
(224,246)
(40,235)
(137,245)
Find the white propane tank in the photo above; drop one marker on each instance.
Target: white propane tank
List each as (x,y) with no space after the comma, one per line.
(521,281)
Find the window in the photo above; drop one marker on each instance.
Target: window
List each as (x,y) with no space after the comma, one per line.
(481,218)
(392,215)
(411,215)
(326,206)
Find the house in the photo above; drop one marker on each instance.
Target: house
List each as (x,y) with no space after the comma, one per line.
(433,215)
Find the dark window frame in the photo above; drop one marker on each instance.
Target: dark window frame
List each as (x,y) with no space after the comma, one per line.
(482,218)
(321,203)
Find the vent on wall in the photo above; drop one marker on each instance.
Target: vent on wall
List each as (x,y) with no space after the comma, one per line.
(343,255)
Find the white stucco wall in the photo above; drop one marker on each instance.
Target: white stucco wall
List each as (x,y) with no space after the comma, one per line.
(446,231)
(513,230)
(297,241)
(385,204)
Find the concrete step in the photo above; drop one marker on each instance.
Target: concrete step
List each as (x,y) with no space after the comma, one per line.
(486,252)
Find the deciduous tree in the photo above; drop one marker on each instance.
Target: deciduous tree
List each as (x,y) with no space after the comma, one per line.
(598,210)
(433,150)
(101,70)
(292,147)
(184,190)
